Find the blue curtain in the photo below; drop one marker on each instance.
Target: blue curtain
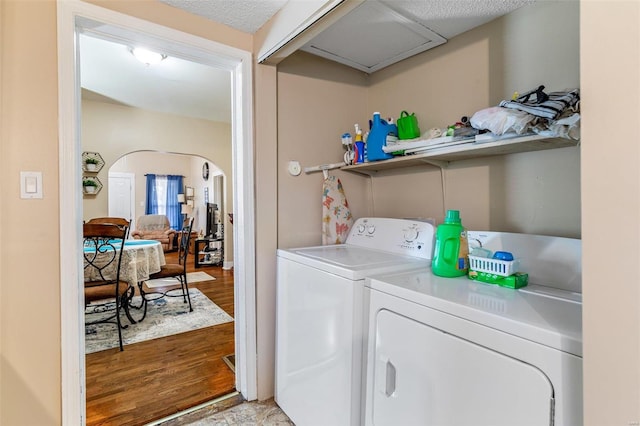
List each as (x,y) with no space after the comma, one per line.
(174,187)
(151,204)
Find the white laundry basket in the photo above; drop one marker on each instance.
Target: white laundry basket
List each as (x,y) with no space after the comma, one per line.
(504,268)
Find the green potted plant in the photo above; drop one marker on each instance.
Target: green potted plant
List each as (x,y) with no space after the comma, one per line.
(91,163)
(89,185)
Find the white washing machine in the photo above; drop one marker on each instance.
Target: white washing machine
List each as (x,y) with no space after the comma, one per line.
(456,352)
(319,308)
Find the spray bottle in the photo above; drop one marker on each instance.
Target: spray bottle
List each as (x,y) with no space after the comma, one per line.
(359,158)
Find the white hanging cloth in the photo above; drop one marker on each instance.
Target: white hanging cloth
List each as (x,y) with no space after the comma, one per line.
(336,216)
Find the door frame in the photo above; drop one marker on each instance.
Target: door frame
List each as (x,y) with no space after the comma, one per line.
(72,15)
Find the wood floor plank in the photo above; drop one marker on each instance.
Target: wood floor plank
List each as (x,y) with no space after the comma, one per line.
(153,379)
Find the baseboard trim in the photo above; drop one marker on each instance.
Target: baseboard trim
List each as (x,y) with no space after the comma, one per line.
(227,265)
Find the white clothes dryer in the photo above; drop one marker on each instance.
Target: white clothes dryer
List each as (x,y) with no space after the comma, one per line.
(319,308)
(456,352)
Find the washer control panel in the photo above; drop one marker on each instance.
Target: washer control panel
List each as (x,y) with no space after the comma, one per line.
(409,237)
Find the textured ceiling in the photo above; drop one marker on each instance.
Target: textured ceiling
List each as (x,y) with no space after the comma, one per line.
(455,9)
(244,15)
(383,32)
(185,88)
(452,17)
(446,17)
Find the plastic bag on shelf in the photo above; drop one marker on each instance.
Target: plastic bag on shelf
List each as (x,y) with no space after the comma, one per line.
(501,120)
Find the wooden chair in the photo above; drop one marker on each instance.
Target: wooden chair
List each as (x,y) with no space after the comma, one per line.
(175,270)
(113,220)
(103,246)
(186,227)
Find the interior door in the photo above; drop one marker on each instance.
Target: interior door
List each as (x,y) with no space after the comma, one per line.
(425,376)
(122,196)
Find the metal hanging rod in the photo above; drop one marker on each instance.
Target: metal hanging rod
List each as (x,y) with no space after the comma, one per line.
(323,167)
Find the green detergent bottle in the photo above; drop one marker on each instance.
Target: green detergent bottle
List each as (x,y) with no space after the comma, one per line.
(450,256)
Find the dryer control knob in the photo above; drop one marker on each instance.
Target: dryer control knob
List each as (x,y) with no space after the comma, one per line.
(410,235)
(361,228)
(371,229)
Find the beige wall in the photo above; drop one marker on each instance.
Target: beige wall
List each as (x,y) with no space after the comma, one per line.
(610,211)
(139,164)
(142,162)
(30,346)
(30,389)
(266,144)
(116,130)
(318,101)
(531,192)
(29,288)
(537,192)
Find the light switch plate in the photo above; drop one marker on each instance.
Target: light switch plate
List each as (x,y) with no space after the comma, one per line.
(30,185)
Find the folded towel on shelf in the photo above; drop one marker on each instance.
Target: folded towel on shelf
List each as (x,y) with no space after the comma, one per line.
(540,104)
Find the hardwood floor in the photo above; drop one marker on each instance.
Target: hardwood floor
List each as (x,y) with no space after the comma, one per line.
(154,379)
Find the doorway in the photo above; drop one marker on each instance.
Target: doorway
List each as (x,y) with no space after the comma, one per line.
(122,196)
(74,17)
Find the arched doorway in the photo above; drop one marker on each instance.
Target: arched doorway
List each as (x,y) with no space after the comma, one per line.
(214,189)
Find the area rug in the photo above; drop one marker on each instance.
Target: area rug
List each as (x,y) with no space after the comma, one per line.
(192,277)
(165,316)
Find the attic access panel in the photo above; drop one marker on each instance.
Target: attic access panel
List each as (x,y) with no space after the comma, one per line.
(371,37)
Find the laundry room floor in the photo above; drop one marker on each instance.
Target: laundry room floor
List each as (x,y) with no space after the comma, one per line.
(259,413)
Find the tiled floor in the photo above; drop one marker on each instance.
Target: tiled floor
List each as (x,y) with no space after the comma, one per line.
(255,413)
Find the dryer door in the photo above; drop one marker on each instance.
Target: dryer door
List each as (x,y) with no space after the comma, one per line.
(423,376)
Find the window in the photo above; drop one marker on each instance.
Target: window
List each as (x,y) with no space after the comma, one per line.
(162,197)
(161,193)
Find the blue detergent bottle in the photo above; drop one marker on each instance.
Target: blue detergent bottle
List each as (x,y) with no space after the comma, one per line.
(378,138)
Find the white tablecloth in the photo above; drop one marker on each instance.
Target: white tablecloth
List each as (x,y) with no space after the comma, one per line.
(139,259)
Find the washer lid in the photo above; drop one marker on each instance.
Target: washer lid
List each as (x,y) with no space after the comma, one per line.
(531,313)
(352,262)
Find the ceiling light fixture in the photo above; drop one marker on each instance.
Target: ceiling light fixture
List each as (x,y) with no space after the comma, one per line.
(147,57)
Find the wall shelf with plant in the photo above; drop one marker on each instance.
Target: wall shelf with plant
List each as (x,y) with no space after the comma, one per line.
(92,162)
(91,185)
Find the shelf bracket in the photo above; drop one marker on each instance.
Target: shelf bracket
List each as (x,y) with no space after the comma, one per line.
(438,163)
(369,173)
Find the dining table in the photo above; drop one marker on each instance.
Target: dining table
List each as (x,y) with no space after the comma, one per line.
(140,258)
